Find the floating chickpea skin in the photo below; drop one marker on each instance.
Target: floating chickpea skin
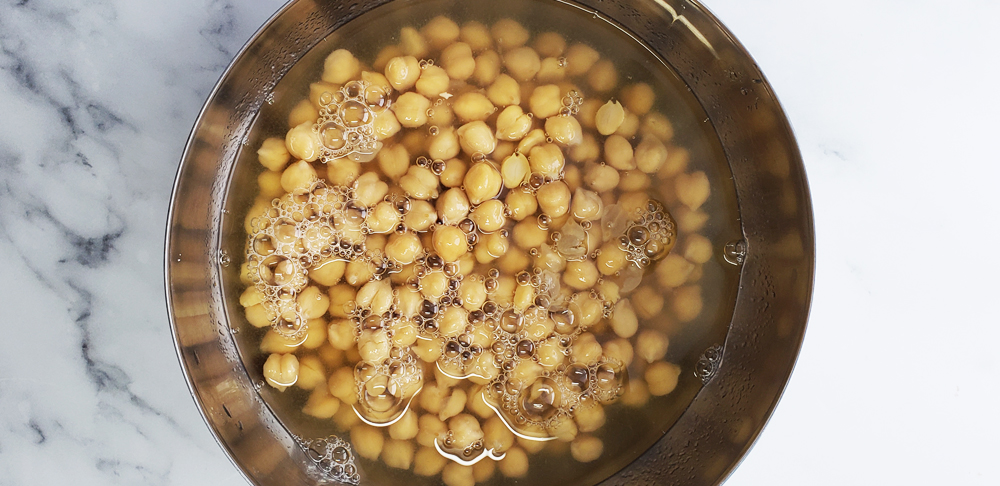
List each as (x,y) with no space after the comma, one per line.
(502,275)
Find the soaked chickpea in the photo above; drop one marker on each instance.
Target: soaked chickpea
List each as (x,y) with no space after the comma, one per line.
(521,225)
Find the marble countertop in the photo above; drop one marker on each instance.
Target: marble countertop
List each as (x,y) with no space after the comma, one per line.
(894,105)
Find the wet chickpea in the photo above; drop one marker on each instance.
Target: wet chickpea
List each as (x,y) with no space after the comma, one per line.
(281,370)
(551,70)
(367,440)
(698,249)
(433,81)
(340,66)
(444,144)
(629,126)
(602,76)
(454,173)
(527,234)
(639,98)
(402,72)
(302,143)
(509,33)
(611,259)
(419,183)
(504,91)
(650,155)
(522,63)
(545,101)
(455,474)
(453,206)
(554,198)
(476,35)
(489,216)
(514,170)
(393,161)
(564,130)
(587,448)
(521,203)
(449,243)
(476,138)
(343,172)
(687,303)
(618,153)
(647,302)
(440,31)
(458,61)
(651,345)
(513,124)
(420,216)
(397,454)
(487,68)
(661,377)
(473,106)
(550,44)
(623,319)
(427,461)
(403,248)
(693,189)
(321,404)
(546,159)
(482,182)
(609,117)
(273,154)
(601,178)
(411,109)
(580,275)
(580,58)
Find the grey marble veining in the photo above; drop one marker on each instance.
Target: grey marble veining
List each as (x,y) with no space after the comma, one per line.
(894,104)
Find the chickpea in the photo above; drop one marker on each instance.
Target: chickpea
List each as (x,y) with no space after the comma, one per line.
(565,130)
(340,67)
(440,31)
(453,206)
(453,321)
(458,61)
(476,35)
(589,416)
(513,123)
(367,441)
(609,117)
(493,245)
(496,436)
(454,403)
(433,81)
(317,89)
(647,302)
(476,137)
(545,101)
(473,106)
(612,258)
(340,334)
(522,63)
(554,198)
(623,319)
(687,303)
(639,98)
(482,182)
(586,448)
(303,143)
(251,296)
(397,454)
(689,221)
(449,243)
(321,404)
(434,284)
(412,43)
(342,172)
(473,294)
(698,249)
(514,170)
(444,145)
(587,205)
(298,178)
(394,160)
(550,44)
(428,462)
(618,153)
(420,216)
(405,428)
(270,185)
(402,72)
(650,155)
(454,173)
(312,302)
(358,272)
(514,464)
(281,370)
(278,343)
(550,354)
(487,68)
(411,109)
(602,76)
(657,125)
(441,116)
(586,350)
(651,345)
(489,216)
(455,474)
(619,349)
(588,150)
(369,189)
(693,189)
(580,275)
(303,112)
(509,33)
(483,471)
(521,203)
(601,178)
(419,183)
(527,234)
(662,377)
(403,248)
(512,262)
(630,126)
(677,160)
(547,159)
(272,154)
(504,91)
(524,296)
(428,350)
(580,58)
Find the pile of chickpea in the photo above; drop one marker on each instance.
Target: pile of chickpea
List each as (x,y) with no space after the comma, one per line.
(457,223)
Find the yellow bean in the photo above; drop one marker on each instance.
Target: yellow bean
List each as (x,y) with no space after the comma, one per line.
(619,349)
(698,249)
(527,234)
(581,275)
(580,58)
(476,138)
(281,370)
(521,203)
(554,198)
(630,126)
(692,189)
(397,454)
(489,216)
(433,81)
(394,160)
(420,216)
(419,183)
(473,106)
(509,33)
(369,189)
(403,248)
(657,125)
(272,154)
(504,91)
(514,464)
(454,173)
(564,130)
(428,462)
(601,178)
(487,68)
(303,112)
(298,177)
(440,31)
(603,76)
(612,258)
(623,319)
(609,117)
(444,144)
(514,170)
(545,101)
(453,206)
(639,98)
(312,302)
(588,150)
(406,427)
(589,416)
(587,448)
(550,44)
(687,303)
(476,35)
(367,441)
(533,139)
(303,143)
(522,63)
(618,153)
(321,404)
(342,172)
(450,243)
(513,123)
(402,72)
(340,67)
(411,109)
(458,61)
(661,377)
(412,43)
(547,159)
(482,182)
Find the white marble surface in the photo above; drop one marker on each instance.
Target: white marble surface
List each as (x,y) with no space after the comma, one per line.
(894,104)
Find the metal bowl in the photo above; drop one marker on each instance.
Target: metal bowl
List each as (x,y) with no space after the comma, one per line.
(742,379)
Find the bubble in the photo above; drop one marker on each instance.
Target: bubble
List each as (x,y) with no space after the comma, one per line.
(511,321)
(541,400)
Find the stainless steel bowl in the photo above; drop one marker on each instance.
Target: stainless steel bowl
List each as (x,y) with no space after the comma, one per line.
(743,379)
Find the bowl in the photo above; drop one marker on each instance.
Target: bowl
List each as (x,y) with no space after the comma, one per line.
(738,379)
